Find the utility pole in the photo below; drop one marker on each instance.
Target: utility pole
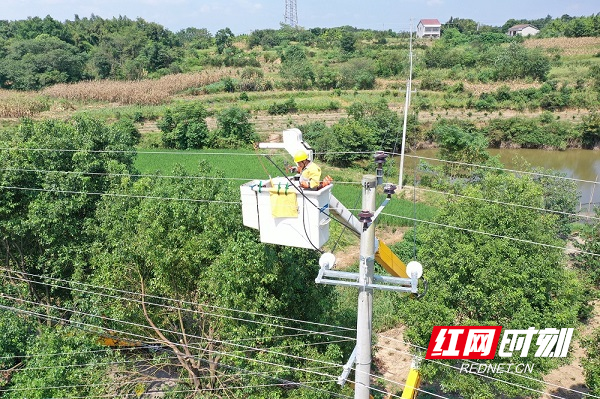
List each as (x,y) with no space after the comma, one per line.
(406,104)
(365,292)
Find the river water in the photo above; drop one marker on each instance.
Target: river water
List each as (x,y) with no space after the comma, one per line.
(583,165)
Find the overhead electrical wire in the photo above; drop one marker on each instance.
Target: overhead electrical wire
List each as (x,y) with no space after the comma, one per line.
(455,227)
(316,153)
(156,297)
(138,395)
(57,319)
(574,250)
(512,204)
(192,177)
(177,333)
(503,169)
(409,344)
(395,349)
(482,375)
(120,195)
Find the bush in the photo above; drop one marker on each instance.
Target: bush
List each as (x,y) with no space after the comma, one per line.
(358,74)
(283,108)
(234,123)
(185,126)
(429,82)
(349,141)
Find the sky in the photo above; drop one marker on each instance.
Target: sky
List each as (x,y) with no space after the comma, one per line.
(244,16)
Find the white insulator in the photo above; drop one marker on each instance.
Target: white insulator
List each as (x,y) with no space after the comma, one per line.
(327,260)
(414,267)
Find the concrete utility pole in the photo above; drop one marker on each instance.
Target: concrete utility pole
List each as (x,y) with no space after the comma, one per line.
(406,104)
(365,293)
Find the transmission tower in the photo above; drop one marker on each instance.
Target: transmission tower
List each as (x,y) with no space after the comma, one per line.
(291,13)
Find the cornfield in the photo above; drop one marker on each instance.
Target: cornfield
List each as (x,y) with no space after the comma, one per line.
(567,45)
(19,105)
(144,92)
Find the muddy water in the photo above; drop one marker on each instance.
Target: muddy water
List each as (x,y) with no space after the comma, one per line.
(583,165)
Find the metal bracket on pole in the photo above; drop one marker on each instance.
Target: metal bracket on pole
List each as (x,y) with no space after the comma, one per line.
(347,368)
(386,283)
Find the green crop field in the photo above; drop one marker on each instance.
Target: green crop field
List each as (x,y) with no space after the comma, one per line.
(244,165)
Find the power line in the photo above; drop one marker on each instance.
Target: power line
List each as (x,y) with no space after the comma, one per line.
(492,234)
(317,153)
(53,318)
(503,169)
(506,203)
(143,175)
(486,376)
(182,334)
(156,297)
(119,195)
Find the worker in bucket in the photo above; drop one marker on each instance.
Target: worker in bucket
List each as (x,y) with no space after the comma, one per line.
(310,172)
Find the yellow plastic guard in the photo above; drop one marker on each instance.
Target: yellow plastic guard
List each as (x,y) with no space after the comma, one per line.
(390,262)
(284,205)
(412,384)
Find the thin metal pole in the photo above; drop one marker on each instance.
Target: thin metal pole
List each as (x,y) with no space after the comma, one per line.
(406,103)
(592,195)
(365,295)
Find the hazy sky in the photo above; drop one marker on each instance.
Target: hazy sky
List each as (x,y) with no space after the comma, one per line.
(244,16)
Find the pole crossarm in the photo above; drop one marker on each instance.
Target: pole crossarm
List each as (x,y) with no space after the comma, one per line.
(386,283)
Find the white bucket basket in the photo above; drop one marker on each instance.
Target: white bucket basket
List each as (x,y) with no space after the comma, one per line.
(309,229)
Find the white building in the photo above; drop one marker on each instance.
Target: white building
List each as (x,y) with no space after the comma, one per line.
(429,28)
(523,30)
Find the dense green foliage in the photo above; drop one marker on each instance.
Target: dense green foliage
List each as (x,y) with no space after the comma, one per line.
(477,279)
(589,264)
(185,126)
(495,62)
(40,52)
(158,260)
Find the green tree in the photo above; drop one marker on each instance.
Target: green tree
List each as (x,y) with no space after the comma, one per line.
(591,362)
(590,126)
(296,69)
(458,144)
(348,42)
(198,253)
(32,64)
(195,38)
(492,278)
(62,362)
(235,127)
(517,61)
(358,74)
(349,141)
(223,39)
(385,122)
(185,126)
(42,218)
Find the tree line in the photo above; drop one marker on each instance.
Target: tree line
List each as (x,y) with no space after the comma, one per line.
(38,52)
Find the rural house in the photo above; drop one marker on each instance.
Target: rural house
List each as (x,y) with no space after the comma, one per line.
(523,30)
(429,28)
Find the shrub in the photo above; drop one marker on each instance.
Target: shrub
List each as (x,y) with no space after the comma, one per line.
(429,82)
(234,123)
(185,126)
(283,108)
